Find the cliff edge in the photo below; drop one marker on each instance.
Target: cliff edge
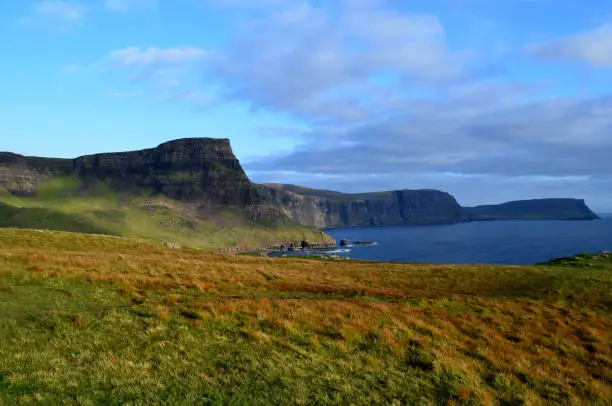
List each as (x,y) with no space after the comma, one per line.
(325,208)
(191,192)
(536,209)
(202,170)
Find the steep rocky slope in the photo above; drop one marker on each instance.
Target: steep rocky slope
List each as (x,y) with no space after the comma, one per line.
(201,170)
(21,175)
(324,208)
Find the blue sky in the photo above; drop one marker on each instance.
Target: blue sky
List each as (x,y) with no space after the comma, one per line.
(489,100)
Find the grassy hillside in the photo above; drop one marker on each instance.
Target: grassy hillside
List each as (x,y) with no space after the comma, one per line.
(71,204)
(88,319)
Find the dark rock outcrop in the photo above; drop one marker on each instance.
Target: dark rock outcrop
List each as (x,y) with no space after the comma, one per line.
(323,209)
(537,209)
(199,170)
(202,170)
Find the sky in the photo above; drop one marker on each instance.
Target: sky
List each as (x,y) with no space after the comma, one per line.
(488,100)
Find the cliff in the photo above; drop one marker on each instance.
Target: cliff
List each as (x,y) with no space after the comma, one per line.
(193,191)
(21,175)
(201,170)
(537,209)
(325,208)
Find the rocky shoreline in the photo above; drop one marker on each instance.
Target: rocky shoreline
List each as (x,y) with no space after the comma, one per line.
(303,246)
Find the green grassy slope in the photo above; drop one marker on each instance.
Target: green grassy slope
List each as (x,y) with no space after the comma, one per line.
(70,204)
(88,319)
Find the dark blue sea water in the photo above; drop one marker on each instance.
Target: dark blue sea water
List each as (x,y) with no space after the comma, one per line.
(492,242)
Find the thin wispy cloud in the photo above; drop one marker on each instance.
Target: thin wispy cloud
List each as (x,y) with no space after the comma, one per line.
(163,69)
(592,47)
(135,56)
(163,74)
(55,12)
(126,94)
(155,60)
(131,5)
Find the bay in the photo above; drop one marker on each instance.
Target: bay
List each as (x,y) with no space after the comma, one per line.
(487,242)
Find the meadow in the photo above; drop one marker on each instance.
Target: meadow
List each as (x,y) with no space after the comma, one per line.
(92,319)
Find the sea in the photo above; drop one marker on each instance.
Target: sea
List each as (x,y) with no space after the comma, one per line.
(484,242)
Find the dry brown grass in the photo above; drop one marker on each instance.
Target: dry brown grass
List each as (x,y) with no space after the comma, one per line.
(489,338)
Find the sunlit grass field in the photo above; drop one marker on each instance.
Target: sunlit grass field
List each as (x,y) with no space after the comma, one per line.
(87,319)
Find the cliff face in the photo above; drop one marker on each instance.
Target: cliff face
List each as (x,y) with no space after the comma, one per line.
(322,208)
(200,170)
(537,209)
(203,170)
(21,175)
(187,192)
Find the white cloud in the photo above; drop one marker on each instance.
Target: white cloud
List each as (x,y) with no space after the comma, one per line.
(55,11)
(134,56)
(161,74)
(593,47)
(126,94)
(131,5)
(191,97)
(325,61)
(72,68)
(250,4)
(164,67)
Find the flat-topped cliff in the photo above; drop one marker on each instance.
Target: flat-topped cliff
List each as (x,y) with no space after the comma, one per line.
(203,170)
(536,209)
